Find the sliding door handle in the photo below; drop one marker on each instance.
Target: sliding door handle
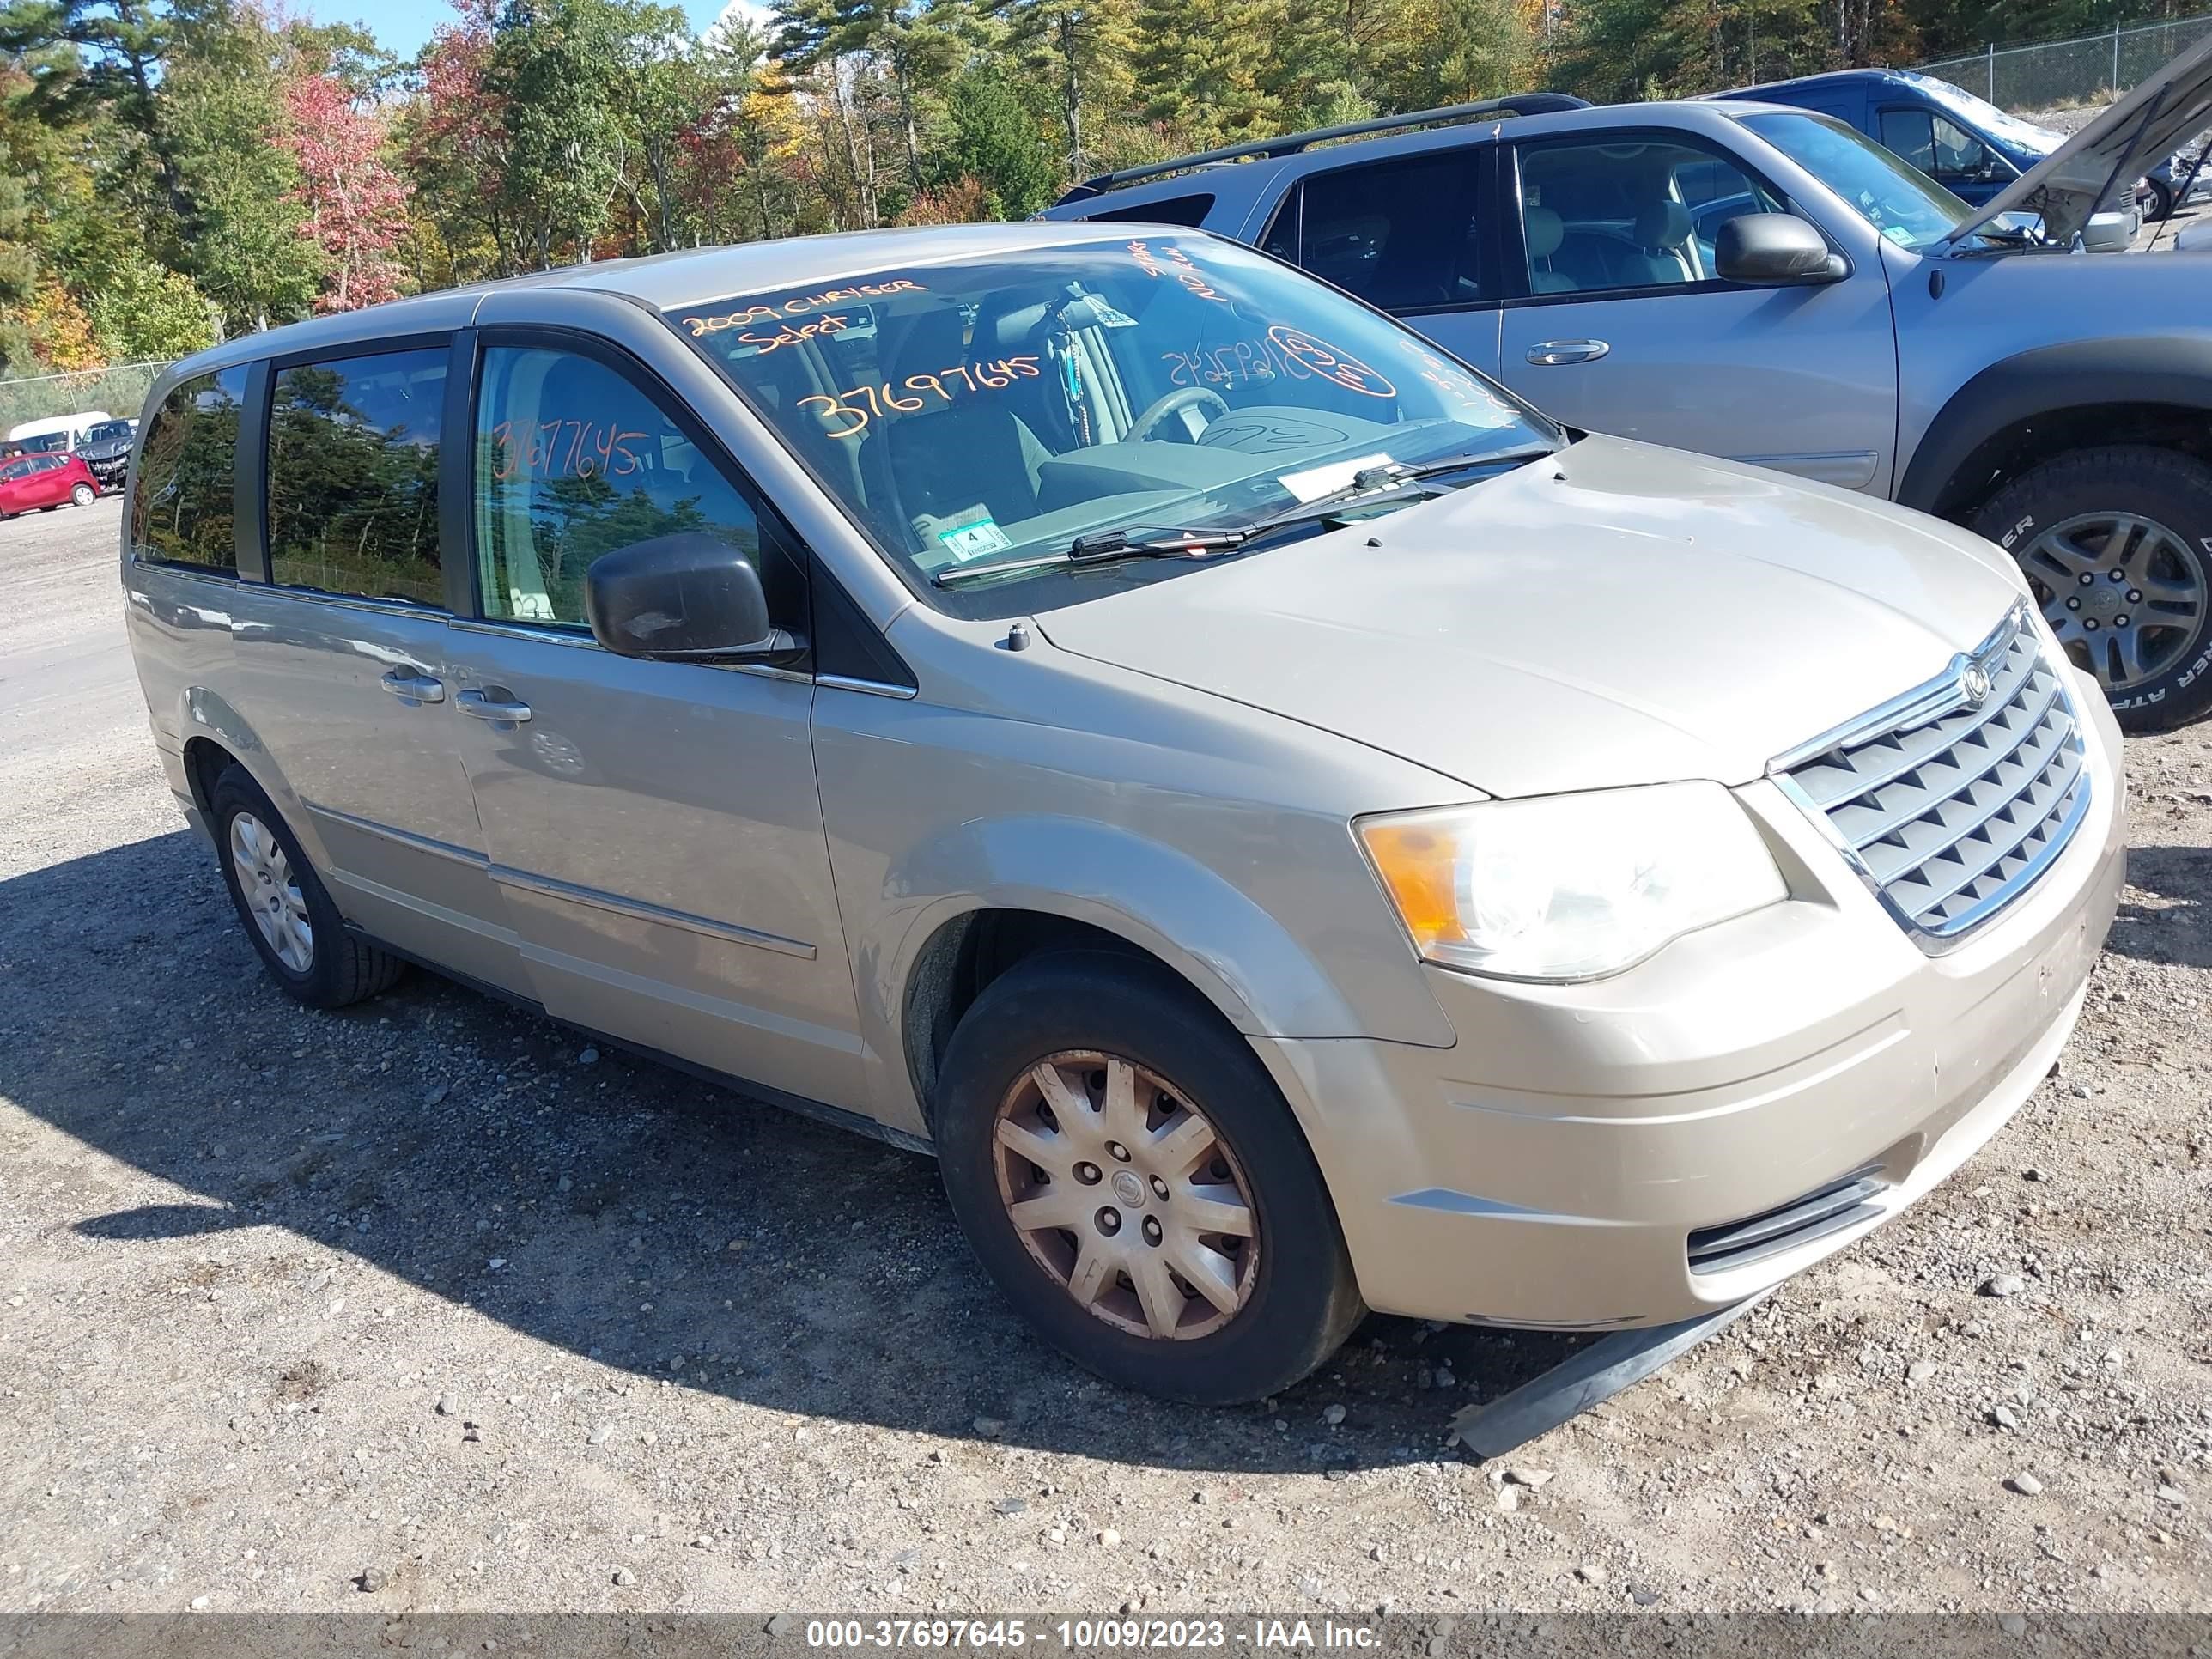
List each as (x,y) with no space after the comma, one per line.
(494,705)
(414,687)
(1547,354)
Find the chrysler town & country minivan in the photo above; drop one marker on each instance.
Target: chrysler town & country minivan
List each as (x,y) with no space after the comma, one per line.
(1294,830)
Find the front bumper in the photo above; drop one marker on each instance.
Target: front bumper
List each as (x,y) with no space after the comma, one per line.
(1550,1169)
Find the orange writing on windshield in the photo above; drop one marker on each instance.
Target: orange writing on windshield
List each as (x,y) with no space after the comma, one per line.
(1325,360)
(770,311)
(863,403)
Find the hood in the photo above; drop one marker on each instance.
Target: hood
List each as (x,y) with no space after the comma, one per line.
(1616,614)
(106,449)
(2101,162)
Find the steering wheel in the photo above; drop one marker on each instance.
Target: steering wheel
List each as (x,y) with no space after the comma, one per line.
(1174,403)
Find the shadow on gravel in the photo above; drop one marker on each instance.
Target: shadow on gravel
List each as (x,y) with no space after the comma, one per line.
(629,1214)
(2179,928)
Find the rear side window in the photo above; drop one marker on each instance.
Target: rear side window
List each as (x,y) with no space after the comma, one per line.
(1402,235)
(352,477)
(1170,211)
(181,512)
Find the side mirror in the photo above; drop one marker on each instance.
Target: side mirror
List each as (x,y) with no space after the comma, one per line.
(690,596)
(1774,250)
(2110,233)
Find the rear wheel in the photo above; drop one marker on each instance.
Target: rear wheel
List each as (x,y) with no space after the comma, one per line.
(295,929)
(1127,1173)
(2116,544)
(83,495)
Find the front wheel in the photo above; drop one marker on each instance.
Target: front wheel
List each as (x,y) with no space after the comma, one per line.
(1128,1174)
(2116,544)
(83,495)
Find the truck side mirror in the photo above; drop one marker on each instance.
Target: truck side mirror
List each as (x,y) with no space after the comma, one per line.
(1775,250)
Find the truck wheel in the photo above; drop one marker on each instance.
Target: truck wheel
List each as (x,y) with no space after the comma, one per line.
(300,936)
(2116,544)
(2161,205)
(1128,1174)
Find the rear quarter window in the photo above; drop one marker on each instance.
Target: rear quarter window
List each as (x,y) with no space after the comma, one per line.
(180,507)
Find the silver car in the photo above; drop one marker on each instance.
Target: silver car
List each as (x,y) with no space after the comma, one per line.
(1770,285)
(1292,831)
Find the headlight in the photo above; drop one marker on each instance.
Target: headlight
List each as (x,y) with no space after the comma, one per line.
(1569,887)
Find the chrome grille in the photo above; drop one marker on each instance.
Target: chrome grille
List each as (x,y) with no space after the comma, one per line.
(1950,805)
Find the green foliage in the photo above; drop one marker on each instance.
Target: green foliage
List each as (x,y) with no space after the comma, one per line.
(150,199)
(993,140)
(143,313)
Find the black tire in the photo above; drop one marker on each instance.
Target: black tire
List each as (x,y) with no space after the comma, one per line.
(2173,492)
(2161,205)
(1303,1300)
(83,495)
(342,969)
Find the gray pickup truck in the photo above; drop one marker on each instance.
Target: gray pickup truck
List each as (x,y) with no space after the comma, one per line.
(1766,284)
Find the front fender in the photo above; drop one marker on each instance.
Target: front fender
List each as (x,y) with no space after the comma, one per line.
(2173,372)
(1264,980)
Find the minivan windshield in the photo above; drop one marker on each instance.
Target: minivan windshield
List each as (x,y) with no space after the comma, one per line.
(1901,202)
(1005,408)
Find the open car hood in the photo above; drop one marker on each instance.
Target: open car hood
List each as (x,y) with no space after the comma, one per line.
(2102,161)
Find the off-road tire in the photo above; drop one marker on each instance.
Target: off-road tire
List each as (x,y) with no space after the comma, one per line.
(2173,490)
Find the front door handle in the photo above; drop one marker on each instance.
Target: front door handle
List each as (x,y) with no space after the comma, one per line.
(1547,354)
(494,705)
(413,687)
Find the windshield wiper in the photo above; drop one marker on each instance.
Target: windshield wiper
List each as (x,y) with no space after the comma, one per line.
(1377,483)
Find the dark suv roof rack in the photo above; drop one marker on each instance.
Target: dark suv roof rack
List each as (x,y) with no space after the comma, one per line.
(1520,103)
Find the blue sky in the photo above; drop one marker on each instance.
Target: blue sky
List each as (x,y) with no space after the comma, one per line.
(405,26)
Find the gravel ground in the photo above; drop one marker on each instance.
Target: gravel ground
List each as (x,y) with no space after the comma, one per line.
(426,1305)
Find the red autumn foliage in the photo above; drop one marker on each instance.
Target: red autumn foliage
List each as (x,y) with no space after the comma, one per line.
(356,203)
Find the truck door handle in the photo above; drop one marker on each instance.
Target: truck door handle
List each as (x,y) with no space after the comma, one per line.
(494,705)
(413,687)
(1547,354)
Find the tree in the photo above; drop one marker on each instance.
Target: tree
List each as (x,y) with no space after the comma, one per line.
(142,312)
(244,240)
(994,140)
(1083,46)
(355,205)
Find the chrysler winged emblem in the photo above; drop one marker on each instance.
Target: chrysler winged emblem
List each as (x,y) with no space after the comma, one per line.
(1974,683)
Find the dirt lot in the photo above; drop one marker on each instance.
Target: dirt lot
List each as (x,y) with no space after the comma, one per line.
(424,1306)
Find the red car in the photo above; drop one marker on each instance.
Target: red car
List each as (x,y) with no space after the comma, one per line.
(44,481)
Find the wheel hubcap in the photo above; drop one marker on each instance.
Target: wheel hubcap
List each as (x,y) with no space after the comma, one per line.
(1123,1192)
(272,893)
(2125,594)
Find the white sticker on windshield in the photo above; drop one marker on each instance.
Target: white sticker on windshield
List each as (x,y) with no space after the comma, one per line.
(973,539)
(1316,482)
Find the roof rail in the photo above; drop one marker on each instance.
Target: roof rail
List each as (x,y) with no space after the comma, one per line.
(1523,103)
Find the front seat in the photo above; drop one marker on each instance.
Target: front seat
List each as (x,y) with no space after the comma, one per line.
(949,462)
(1546,230)
(1663,229)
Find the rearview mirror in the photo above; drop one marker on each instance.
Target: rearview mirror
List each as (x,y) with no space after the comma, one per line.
(1774,249)
(689,596)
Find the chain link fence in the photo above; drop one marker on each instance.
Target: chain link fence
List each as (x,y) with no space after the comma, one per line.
(119,389)
(2093,68)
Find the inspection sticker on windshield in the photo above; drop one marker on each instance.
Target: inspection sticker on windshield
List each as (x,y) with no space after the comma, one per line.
(973,539)
(1316,482)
